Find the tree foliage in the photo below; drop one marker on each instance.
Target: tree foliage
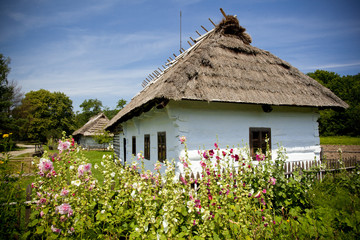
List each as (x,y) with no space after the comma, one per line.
(44,114)
(340,122)
(92,107)
(10,96)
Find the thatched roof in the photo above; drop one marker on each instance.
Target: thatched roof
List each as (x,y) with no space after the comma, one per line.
(94,126)
(223,67)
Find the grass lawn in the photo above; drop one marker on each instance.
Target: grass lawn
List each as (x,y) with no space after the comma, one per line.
(340,140)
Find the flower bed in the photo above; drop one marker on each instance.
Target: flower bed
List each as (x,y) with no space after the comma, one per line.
(254,201)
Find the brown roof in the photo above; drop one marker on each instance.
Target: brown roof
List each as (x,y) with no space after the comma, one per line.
(94,126)
(223,66)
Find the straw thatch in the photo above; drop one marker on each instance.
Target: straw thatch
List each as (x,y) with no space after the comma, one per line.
(224,67)
(94,126)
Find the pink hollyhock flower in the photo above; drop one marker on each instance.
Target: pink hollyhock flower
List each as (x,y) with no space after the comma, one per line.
(272,181)
(42,214)
(64,192)
(65,208)
(260,157)
(205,155)
(258,195)
(216,145)
(45,166)
(264,191)
(203,164)
(210,197)
(55,230)
(194,222)
(63,145)
(211,153)
(182,139)
(224,153)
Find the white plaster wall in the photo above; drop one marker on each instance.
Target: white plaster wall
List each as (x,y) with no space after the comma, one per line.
(204,123)
(152,122)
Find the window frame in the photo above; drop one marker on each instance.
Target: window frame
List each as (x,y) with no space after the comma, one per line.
(133,145)
(263,133)
(147,146)
(161,146)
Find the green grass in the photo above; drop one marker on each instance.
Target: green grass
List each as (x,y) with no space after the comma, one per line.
(340,140)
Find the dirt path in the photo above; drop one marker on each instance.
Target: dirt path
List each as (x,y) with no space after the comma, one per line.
(29,149)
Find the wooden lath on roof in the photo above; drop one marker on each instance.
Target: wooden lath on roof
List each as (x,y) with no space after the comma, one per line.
(155,74)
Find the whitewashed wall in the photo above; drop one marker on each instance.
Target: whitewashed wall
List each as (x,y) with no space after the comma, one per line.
(204,123)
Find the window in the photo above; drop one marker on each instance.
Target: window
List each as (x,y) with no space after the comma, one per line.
(161,146)
(124,142)
(257,137)
(134,145)
(147,146)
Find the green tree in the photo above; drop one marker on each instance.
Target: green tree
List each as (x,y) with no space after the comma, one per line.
(90,108)
(44,115)
(111,113)
(10,96)
(340,122)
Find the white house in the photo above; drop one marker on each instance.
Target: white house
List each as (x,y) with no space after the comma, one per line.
(84,136)
(223,88)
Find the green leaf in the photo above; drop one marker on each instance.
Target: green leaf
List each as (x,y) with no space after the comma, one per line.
(40,230)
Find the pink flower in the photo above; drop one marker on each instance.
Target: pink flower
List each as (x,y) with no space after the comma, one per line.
(260,157)
(272,181)
(205,155)
(45,166)
(63,145)
(211,153)
(32,185)
(64,192)
(194,222)
(210,197)
(84,168)
(55,230)
(203,164)
(264,191)
(65,208)
(216,145)
(224,153)
(182,139)
(42,214)
(258,195)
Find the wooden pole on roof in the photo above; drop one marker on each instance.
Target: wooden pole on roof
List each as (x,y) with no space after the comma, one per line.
(212,22)
(223,13)
(189,43)
(183,49)
(204,28)
(198,33)
(192,40)
(174,54)
(160,70)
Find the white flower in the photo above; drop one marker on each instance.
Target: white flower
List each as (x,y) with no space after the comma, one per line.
(103,211)
(76,182)
(102,164)
(96,166)
(165,225)
(112,174)
(104,156)
(71,167)
(133,194)
(146,227)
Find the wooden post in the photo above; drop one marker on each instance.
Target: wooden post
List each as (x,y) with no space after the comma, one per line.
(204,28)
(223,13)
(212,22)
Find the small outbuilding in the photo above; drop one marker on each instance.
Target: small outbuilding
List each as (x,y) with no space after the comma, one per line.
(84,136)
(223,88)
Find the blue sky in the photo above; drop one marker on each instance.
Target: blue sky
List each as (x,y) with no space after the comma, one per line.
(105,49)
